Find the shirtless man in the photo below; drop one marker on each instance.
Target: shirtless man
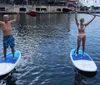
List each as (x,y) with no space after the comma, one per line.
(8,39)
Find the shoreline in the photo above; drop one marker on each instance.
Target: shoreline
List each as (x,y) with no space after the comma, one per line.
(6,12)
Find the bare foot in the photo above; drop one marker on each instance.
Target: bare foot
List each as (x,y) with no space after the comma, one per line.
(3,58)
(14,58)
(76,54)
(82,54)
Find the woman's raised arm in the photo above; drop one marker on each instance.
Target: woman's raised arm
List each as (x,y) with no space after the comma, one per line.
(90,21)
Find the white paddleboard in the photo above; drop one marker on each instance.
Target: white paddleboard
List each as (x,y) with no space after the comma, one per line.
(9,64)
(83,63)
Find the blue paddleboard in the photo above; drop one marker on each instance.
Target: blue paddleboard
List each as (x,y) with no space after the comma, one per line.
(9,64)
(83,63)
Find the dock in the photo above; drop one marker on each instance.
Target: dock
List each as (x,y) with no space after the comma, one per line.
(39,9)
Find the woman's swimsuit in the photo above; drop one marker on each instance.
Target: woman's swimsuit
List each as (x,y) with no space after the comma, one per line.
(81,35)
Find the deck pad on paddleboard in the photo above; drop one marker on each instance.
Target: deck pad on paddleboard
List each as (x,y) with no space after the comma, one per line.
(9,64)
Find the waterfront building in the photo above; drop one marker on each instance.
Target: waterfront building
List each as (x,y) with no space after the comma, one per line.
(89,3)
(38,5)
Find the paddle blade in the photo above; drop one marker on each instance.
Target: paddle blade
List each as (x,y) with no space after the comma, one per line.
(32,13)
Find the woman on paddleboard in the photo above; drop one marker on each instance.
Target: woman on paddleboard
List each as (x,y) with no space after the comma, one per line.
(81,33)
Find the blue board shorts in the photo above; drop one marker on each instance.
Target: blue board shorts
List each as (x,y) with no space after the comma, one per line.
(8,41)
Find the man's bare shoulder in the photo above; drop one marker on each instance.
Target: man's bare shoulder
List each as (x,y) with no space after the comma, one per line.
(1,22)
(11,21)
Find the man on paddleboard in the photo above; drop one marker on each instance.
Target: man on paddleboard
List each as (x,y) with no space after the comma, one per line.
(8,39)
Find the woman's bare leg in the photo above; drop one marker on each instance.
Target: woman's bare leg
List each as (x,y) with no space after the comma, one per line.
(83,44)
(78,44)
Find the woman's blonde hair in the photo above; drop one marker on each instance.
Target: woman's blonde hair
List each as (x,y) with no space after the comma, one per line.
(82,20)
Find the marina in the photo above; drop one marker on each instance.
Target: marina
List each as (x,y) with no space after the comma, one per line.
(45,34)
(45,42)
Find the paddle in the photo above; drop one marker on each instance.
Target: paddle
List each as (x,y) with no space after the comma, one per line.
(74,10)
(30,13)
(93,14)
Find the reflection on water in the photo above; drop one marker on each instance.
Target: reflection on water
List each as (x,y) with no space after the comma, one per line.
(45,42)
(79,79)
(7,80)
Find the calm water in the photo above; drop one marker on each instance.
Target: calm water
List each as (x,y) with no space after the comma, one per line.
(45,42)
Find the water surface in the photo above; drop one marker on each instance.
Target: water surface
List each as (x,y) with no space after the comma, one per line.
(45,42)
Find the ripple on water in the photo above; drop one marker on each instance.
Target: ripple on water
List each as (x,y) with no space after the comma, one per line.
(45,43)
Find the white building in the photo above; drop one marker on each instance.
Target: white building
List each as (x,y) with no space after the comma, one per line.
(90,2)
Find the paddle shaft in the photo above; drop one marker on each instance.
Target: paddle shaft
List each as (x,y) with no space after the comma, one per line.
(93,14)
(84,12)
